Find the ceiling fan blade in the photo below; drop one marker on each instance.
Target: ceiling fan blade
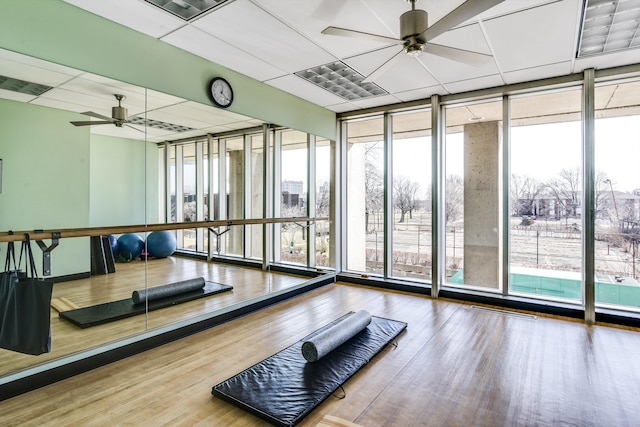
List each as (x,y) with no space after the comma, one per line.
(96,115)
(458,55)
(335,31)
(378,72)
(462,13)
(135,128)
(91,123)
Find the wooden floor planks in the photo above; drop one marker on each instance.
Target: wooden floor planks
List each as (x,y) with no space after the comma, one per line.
(454,365)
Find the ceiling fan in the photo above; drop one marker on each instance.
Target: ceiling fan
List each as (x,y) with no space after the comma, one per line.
(415,35)
(118,116)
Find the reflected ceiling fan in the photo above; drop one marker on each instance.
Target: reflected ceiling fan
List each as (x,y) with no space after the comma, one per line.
(118,116)
(415,35)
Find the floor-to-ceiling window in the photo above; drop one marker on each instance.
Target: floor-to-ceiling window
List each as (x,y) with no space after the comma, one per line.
(324,169)
(546,195)
(235,186)
(254,194)
(293,195)
(364,196)
(617,194)
(411,234)
(473,193)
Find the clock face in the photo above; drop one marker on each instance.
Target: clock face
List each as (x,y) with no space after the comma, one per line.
(221,92)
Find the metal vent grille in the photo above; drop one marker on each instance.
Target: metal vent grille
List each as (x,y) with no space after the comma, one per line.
(186,9)
(341,80)
(22,86)
(609,25)
(156,124)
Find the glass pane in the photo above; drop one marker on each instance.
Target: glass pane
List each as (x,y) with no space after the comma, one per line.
(365,233)
(412,195)
(617,187)
(472,194)
(294,173)
(323,201)
(546,195)
(255,200)
(189,205)
(234,239)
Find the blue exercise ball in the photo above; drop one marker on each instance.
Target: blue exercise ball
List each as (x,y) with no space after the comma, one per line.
(115,248)
(130,246)
(161,244)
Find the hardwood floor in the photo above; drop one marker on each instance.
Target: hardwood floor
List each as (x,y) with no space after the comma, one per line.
(455,365)
(68,339)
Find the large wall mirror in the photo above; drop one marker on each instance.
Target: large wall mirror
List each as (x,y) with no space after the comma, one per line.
(168,162)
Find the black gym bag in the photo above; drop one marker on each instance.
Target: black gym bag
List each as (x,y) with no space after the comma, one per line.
(25,300)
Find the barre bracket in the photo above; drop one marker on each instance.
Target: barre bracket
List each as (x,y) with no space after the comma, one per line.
(46,251)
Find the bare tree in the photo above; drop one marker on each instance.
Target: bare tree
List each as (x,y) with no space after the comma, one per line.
(602,194)
(524,190)
(405,194)
(565,189)
(454,197)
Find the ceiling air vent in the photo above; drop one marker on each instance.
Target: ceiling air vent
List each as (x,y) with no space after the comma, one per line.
(609,25)
(341,80)
(156,124)
(187,9)
(22,86)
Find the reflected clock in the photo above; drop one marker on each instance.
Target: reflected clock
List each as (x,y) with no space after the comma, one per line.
(221,92)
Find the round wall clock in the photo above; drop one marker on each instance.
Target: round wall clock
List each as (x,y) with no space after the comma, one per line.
(221,92)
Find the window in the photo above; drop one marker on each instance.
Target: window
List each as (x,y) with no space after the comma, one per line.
(546,195)
(617,195)
(411,235)
(473,193)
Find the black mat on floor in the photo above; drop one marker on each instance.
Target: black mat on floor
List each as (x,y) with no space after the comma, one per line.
(284,388)
(116,310)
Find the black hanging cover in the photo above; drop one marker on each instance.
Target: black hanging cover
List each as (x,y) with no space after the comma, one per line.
(25,300)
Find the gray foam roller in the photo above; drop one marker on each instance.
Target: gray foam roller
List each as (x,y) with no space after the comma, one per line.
(328,340)
(164,291)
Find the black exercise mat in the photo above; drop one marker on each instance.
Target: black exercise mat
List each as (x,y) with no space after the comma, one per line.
(284,388)
(115,310)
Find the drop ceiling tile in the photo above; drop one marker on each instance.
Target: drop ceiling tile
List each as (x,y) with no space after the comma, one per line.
(136,14)
(16,96)
(535,37)
(422,93)
(284,46)
(37,63)
(305,90)
(536,73)
(608,60)
(221,52)
(312,16)
(474,84)
(31,73)
(342,107)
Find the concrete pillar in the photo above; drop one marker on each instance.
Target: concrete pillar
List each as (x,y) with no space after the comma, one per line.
(482,203)
(235,206)
(257,174)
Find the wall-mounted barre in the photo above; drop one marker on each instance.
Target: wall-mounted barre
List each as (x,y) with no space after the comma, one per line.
(55,235)
(18,236)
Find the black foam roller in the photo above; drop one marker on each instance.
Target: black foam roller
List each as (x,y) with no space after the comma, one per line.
(164,291)
(328,340)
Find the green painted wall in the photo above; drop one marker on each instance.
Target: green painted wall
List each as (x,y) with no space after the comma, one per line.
(120,192)
(45,181)
(59,176)
(59,32)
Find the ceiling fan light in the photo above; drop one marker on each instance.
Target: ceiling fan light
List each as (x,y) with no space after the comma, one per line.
(414,50)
